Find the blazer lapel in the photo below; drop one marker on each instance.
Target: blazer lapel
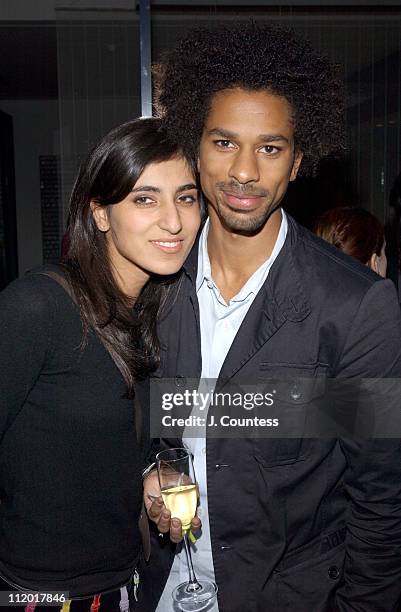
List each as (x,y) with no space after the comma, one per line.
(259,325)
(281,298)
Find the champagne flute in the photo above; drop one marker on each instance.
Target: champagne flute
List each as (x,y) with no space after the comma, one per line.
(180,495)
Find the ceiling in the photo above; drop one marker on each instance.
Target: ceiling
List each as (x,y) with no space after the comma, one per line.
(28,58)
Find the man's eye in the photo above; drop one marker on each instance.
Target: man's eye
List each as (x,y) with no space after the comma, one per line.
(269,149)
(224,144)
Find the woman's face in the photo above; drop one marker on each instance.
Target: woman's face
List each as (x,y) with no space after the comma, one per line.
(153,229)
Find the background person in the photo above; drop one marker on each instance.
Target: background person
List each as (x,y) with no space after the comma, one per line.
(393,235)
(357,233)
(72,442)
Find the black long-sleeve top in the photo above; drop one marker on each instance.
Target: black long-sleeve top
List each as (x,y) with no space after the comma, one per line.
(70,463)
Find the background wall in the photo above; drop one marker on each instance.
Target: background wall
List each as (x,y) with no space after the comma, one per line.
(35,134)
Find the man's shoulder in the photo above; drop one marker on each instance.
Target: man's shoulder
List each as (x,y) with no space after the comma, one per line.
(327,263)
(314,275)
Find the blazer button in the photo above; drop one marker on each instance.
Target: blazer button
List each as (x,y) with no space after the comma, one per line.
(220,466)
(179,381)
(333,572)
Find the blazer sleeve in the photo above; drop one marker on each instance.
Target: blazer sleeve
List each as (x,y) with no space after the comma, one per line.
(25,331)
(372,577)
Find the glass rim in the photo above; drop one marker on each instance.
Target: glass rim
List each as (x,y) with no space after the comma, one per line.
(185,452)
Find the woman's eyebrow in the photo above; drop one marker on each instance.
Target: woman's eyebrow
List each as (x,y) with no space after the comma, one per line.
(146,188)
(154,189)
(186,187)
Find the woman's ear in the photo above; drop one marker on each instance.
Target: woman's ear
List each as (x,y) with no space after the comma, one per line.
(100,216)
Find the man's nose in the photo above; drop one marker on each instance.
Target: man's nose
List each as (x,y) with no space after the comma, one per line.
(170,219)
(244,167)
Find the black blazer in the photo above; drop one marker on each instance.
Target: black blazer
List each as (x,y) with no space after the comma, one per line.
(299,525)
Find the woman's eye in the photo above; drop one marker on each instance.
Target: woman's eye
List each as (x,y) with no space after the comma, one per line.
(187,199)
(143,200)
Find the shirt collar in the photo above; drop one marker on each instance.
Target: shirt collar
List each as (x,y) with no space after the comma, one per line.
(204,273)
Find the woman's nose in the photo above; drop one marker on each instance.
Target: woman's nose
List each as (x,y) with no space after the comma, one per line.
(170,219)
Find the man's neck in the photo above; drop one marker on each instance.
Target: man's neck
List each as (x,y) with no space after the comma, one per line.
(235,257)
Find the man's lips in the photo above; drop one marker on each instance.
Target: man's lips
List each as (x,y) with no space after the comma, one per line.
(169,246)
(242,200)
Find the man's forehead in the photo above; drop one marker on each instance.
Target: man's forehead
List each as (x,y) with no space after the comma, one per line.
(262,112)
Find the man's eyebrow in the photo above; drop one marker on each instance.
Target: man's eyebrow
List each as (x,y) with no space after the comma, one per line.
(273,138)
(222,133)
(233,136)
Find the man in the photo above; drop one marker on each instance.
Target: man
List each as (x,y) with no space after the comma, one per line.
(304,525)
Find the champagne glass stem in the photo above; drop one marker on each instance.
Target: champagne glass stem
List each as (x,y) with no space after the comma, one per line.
(193,584)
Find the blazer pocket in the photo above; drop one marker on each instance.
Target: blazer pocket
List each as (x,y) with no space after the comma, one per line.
(317,578)
(297,390)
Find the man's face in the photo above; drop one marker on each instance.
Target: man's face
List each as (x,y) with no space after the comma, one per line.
(247,157)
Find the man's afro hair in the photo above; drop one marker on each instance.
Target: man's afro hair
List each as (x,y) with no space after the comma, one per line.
(254,57)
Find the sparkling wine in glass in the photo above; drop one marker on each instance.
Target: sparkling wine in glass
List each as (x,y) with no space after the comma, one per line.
(180,495)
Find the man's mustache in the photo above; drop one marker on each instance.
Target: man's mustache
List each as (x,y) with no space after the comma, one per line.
(239,190)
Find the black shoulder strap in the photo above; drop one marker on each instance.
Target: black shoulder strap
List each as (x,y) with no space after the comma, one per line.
(61,280)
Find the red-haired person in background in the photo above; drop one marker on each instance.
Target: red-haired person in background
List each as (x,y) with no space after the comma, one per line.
(357,233)
(392,231)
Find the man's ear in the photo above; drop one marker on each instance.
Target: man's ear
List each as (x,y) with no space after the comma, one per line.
(295,165)
(100,216)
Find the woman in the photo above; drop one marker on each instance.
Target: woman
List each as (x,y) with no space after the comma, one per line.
(73,342)
(356,232)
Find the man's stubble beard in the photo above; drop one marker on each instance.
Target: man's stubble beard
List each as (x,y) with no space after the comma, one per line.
(243,222)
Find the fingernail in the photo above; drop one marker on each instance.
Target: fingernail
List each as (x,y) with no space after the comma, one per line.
(175,523)
(165,515)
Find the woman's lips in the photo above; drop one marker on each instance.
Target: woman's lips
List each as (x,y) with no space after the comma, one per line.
(242,201)
(169,246)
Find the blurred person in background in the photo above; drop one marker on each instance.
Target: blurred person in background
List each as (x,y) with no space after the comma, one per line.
(392,231)
(357,233)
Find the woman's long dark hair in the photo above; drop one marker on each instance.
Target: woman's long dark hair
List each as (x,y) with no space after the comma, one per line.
(106,177)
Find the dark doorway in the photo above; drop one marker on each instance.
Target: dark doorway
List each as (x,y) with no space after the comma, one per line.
(8,222)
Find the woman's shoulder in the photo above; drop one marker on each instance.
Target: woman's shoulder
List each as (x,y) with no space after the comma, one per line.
(39,291)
